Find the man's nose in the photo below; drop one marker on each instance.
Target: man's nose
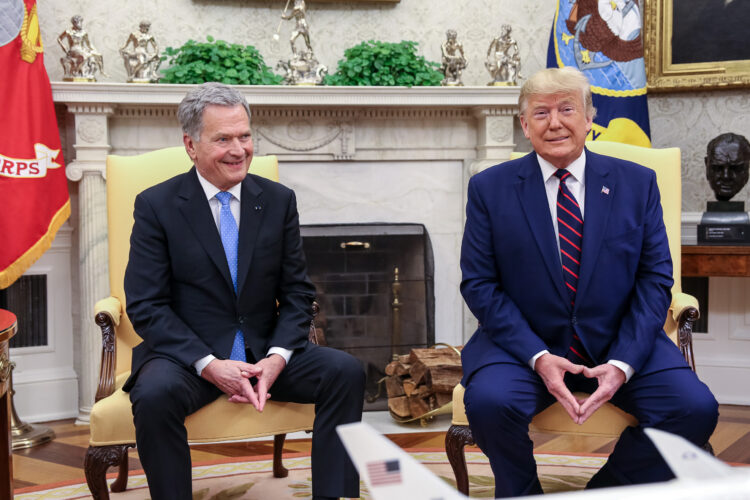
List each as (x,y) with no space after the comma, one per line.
(554,120)
(235,147)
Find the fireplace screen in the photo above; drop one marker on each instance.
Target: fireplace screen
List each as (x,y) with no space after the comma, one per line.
(374,285)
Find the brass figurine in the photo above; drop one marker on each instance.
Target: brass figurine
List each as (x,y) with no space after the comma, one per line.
(503,59)
(454,61)
(81,61)
(303,68)
(141,63)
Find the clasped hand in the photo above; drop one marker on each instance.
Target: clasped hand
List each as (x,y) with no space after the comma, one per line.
(233,378)
(552,369)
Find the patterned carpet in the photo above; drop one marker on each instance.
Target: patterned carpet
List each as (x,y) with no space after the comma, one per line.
(233,479)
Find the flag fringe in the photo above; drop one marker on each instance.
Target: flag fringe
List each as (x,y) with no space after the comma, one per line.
(14,271)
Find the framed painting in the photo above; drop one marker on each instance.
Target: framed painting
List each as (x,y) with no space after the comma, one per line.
(697,44)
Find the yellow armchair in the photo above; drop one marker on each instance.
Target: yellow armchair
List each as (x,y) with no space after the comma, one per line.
(111,422)
(609,420)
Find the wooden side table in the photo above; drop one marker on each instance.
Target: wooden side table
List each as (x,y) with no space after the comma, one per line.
(7,330)
(716,260)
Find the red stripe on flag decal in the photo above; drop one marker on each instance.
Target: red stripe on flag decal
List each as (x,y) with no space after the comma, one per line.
(384,472)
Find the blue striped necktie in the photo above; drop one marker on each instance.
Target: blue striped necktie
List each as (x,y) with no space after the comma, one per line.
(570,230)
(230,240)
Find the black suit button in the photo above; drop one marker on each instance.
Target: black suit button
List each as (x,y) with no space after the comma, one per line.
(241,319)
(573,320)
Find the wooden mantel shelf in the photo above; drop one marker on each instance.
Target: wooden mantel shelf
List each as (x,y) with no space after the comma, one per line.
(716,260)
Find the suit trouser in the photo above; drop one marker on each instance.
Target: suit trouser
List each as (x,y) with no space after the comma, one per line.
(501,399)
(165,393)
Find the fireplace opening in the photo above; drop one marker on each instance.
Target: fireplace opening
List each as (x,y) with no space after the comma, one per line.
(375,287)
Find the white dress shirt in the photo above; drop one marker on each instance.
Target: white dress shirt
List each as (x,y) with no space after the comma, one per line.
(576,185)
(234,205)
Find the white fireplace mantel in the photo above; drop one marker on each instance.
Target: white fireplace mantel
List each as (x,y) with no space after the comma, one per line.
(352,154)
(302,96)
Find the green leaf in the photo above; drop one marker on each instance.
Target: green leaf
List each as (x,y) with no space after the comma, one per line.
(217,60)
(384,63)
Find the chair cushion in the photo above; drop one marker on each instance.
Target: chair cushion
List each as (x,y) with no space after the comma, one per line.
(608,420)
(111,420)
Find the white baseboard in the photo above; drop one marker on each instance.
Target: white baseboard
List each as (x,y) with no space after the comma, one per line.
(44,395)
(727,380)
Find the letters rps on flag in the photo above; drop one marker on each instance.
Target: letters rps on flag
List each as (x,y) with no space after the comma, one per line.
(34,200)
(603,39)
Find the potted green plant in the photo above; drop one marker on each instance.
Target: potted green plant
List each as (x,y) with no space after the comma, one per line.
(217,61)
(385,64)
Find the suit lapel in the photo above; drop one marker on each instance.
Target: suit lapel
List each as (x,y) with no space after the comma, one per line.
(197,212)
(251,215)
(533,199)
(600,189)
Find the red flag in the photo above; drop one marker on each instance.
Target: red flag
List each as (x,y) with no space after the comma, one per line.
(34,199)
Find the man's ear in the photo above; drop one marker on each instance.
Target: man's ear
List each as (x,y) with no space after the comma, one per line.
(524,126)
(189,145)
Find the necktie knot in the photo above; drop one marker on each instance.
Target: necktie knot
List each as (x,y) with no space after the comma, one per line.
(224,197)
(560,173)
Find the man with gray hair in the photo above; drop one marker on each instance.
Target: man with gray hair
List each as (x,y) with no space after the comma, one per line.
(566,266)
(217,287)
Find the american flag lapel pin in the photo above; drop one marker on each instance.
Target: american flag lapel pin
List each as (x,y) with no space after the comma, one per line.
(605,190)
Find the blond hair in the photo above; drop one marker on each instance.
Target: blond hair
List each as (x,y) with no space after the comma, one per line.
(565,80)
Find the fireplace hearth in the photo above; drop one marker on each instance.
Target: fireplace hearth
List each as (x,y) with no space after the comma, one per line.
(375,287)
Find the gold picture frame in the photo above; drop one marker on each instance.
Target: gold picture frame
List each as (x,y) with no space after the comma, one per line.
(664,75)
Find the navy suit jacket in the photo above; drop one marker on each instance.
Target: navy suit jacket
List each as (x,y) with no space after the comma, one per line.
(179,292)
(512,275)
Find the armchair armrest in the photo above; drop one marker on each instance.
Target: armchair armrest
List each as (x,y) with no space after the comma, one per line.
(684,310)
(110,306)
(107,313)
(681,302)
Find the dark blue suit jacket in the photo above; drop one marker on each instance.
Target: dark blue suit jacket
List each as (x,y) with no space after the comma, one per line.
(512,275)
(180,295)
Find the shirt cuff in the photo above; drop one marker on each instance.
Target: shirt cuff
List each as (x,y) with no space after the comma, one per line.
(202,363)
(284,353)
(536,356)
(624,367)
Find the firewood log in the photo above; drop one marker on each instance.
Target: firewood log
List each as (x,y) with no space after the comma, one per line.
(394,386)
(399,406)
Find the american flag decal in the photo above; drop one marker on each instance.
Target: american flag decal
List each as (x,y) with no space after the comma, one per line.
(605,190)
(384,472)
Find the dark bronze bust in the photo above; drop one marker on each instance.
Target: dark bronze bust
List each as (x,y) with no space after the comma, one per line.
(727,162)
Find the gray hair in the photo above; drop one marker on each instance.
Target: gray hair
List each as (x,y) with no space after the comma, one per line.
(565,80)
(190,111)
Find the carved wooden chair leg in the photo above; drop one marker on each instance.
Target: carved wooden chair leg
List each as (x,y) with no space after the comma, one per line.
(121,483)
(710,449)
(278,447)
(98,459)
(457,437)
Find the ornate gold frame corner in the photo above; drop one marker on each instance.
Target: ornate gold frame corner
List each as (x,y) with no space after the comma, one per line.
(664,76)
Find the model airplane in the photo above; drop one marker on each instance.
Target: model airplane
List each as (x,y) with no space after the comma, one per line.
(391,474)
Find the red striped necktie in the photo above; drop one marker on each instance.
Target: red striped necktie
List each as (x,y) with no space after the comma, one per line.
(570,230)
